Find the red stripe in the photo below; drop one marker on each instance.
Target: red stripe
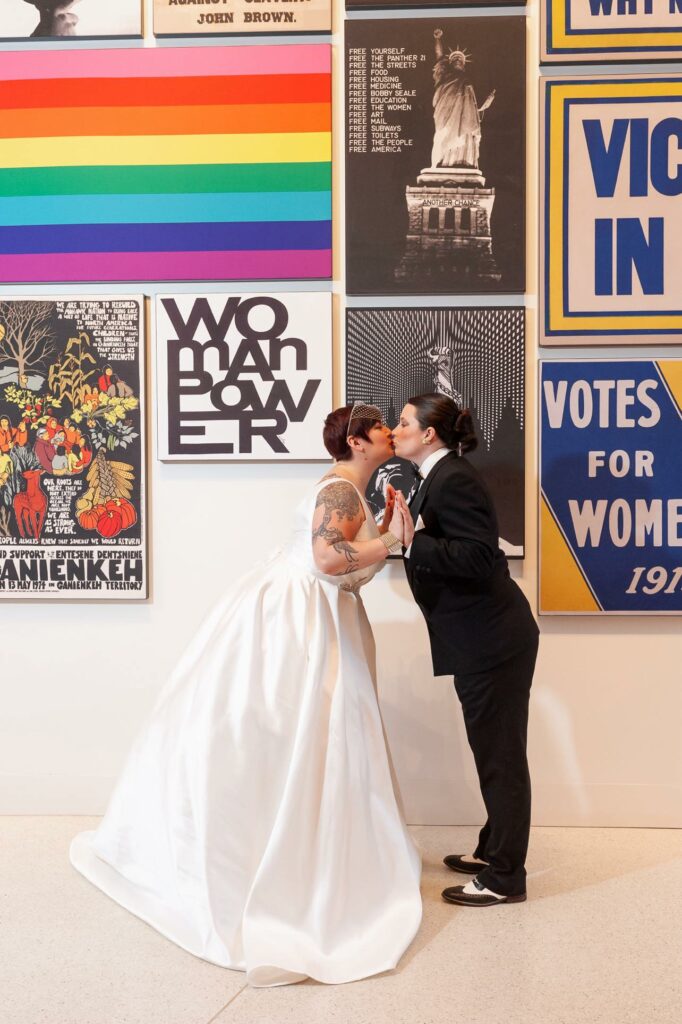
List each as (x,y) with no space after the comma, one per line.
(150,92)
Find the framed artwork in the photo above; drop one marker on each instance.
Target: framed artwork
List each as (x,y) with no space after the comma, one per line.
(435,155)
(600,31)
(205,163)
(243,377)
(368,5)
(611,237)
(610,487)
(72,448)
(476,357)
(62,20)
(223,17)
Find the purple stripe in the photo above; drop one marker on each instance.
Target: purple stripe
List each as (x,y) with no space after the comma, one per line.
(167,266)
(240,236)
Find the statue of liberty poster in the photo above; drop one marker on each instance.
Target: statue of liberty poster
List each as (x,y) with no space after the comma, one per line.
(435,156)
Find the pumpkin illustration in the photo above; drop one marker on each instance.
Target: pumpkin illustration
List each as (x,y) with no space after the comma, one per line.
(89,518)
(125,509)
(109,523)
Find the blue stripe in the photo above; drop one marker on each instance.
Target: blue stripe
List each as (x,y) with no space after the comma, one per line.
(166,237)
(176,208)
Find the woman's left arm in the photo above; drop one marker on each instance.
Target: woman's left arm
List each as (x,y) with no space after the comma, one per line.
(468,546)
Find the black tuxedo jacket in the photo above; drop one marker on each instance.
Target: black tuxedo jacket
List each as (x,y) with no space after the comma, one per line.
(476,615)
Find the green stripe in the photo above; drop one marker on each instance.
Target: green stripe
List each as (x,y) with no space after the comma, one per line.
(62,181)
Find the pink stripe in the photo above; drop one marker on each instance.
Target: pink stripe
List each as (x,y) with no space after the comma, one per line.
(167,266)
(168,62)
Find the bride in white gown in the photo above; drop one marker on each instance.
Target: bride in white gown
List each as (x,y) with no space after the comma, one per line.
(255,823)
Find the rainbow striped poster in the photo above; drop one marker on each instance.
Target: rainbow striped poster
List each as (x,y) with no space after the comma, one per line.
(166,164)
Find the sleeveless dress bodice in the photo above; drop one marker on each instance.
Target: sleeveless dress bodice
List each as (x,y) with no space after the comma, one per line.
(300,548)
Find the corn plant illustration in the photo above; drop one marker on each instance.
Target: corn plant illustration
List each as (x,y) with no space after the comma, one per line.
(105,506)
(68,377)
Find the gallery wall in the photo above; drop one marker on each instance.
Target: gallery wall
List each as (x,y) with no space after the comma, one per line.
(78,676)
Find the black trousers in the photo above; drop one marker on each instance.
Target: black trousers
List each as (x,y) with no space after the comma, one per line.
(495,707)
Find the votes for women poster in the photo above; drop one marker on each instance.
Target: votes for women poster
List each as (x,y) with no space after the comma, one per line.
(474,356)
(611,487)
(435,155)
(72,448)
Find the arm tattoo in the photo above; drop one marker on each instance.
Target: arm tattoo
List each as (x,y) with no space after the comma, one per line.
(343,500)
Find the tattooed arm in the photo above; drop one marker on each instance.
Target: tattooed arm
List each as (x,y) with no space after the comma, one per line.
(338,517)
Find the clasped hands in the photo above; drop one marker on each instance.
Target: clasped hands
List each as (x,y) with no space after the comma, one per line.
(397,516)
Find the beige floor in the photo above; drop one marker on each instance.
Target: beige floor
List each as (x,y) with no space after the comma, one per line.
(599,942)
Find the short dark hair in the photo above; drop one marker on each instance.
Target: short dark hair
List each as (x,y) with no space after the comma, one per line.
(336,428)
(454,426)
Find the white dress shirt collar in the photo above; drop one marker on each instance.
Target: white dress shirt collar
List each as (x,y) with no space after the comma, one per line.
(432,460)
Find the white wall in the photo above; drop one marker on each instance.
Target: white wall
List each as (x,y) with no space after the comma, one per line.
(76,679)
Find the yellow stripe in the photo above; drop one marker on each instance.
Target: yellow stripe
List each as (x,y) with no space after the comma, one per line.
(555,226)
(672,373)
(562,585)
(559,94)
(610,322)
(77,151)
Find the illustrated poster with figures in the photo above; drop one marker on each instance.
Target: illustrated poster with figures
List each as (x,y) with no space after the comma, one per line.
(473,355)
(435,155)
(72,448)
(243,377)
(62,20)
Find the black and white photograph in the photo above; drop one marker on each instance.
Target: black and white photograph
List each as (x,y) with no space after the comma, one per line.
(435,156)
(243,377)
(474,356)
(68,19)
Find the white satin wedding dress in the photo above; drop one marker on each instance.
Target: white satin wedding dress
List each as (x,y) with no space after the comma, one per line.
(255,823)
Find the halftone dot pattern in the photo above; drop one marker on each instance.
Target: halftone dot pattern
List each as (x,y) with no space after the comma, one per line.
(387,359)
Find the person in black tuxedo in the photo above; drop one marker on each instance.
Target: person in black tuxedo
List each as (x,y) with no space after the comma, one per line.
(481,630)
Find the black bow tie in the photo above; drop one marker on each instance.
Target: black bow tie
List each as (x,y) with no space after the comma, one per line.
(417,470)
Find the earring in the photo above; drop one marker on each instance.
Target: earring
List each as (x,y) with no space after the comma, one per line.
(425,441)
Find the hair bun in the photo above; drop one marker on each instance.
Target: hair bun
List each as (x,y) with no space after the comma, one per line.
(466,439)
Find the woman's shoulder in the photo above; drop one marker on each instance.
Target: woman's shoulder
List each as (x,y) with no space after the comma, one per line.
(458,472)
(339,494)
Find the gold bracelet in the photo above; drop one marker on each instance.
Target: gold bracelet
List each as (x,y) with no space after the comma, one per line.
(391,542)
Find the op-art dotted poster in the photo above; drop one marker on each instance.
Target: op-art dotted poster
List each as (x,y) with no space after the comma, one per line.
(474,356)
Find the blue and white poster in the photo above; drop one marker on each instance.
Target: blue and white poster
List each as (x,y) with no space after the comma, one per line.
(612,215)
(610,30)
(611,487)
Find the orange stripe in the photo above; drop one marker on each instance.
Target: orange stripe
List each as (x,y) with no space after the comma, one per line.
(194,120)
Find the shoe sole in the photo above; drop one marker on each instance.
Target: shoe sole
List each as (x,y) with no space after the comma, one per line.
(483,901)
